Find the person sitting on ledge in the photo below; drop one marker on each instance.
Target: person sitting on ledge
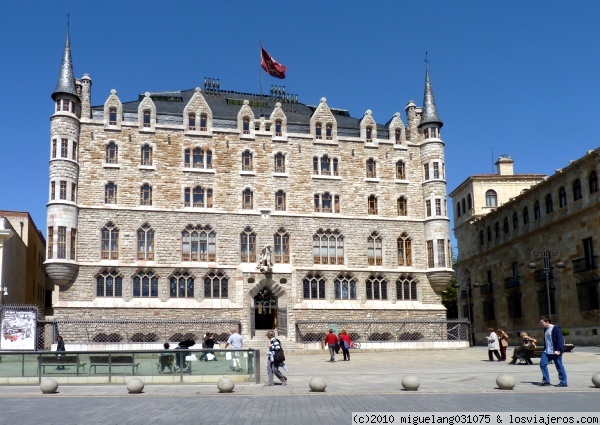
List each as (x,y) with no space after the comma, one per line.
(527,343)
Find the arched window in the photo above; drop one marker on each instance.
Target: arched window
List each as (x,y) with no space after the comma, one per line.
(491,198)
(110,242)
(147,116)
(469,202)
(198,197)
(181,285)
(374,249)
(110,193)
(146,158)
(371,168)
(328,247)
(145,285)
(458,209)
(145,243)
(325,165)
(400,170)
(489,234)
(318,130)
(525,216)
(146,194)
(216,285)
(247,199)
(313,287)
(372,205)
(328,132)
(481,239)
(404,250)
(562,197)
(376,288)
(281,246)
(464,205)
(246,125)
(497,229)
(280,201)
(192,121)
(279,163)
(247,161)
(398,136)
(536,210)
(549,204)
(112,153)
(327,203)
(515,220)
(109,284)
(593,181)
(344,287)
(112,116)
(406,289)
(369,131)
(248,246)
(198,243)
(402,206)
(577,190)
(505,226)
(278,128)
(203,122)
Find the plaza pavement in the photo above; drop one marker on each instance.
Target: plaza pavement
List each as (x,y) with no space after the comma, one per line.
(451,380)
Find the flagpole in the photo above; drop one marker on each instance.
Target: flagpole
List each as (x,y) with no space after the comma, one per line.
(260,75)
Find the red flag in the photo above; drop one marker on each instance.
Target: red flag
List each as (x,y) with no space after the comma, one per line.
(271,66)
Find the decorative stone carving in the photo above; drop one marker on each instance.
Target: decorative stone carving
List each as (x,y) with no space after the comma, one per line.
(265,263)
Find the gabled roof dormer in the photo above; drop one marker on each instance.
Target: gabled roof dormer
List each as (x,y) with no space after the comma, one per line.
(368,127)
(201,113)
(278,123)
(323,125)
(397,130)
(147,114)
(245,120)
(113,111)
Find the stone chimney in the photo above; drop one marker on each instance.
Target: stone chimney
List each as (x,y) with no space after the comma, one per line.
(505,165)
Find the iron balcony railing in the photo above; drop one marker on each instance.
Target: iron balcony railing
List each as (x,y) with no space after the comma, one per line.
(585,264)
(512,282)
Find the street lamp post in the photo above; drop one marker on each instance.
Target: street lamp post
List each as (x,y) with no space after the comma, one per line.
(3,293)
(546,255)
(466,273)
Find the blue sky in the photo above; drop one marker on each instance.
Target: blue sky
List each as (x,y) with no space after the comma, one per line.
(510,77)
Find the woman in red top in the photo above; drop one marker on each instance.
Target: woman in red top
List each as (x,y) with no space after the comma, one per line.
(330,340)
(345,344)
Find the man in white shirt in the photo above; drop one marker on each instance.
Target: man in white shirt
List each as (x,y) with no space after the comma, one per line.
(237,342)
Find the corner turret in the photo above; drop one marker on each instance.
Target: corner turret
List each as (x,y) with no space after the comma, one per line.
(429,115)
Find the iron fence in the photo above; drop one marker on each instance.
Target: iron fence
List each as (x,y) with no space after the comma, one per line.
(379,331)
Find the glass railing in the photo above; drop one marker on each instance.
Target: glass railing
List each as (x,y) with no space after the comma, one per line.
(173,366)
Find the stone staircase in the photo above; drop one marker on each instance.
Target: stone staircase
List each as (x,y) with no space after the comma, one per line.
(261,342)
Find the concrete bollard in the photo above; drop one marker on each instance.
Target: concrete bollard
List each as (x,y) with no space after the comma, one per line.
(225,384)
(411,383)
(317,384)
(48,386)
(596,379)
(135,386)
(506,382)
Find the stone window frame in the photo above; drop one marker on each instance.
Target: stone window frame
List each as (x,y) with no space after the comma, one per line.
(537,212)
(515,220)
(372,205)
(111,191)
(208,285)
(320,202)
(192,121)
(404,246)
(189,282)
(402,206)
(525,216)
(280,200)
(111,153)
(593,182)
(371,168)
(279,162)
(190,155)
(248,245)
(145,243)
(138,281)
(146,155)
(491,198)
(281,246)
(350,290)
(324,241)
(376,288)
(577,190)
(117,283)
(375,249)
(201,243)
(247,160)
(247,199)
(50,242)
(146,193)
(112,115)
(320,163)
(190,195)
(562,197)
(61,243)
(109,242)
(407,285)
(549,203)
(314,287)
(400,170)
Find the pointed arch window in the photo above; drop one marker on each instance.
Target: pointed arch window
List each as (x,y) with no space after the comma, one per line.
(216,285)
(549,204)
(536,210)
(146,195)
(525,216)
(376,288)
(328,247)
(593,182)
(398,136)
(247,161)
(145,243)
(313,287)
(372,205)
(406,289)
(110,242)
(248,246)
(464,205)
(203,122)
(562,197)
(146,158)
(369,133)
(400,170)
(375,249)
(318,131)
(328,132)
(181,285)
(198,243)
(402,206)
(109,284)
(497,230)
(246,125)
(110,193)
(247,199)
(489,234)
(371,168)
(112,153)
(281,246)
(280,200)
(458,209)
(147,116)
(145,285)
(112,116)
(491,198)
(278,128)
(192,121)
(505,226)
(577,194)
(404,250)
(344,287)
(279,163)
(515,220)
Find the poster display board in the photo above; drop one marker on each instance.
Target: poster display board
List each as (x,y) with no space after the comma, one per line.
(18,329)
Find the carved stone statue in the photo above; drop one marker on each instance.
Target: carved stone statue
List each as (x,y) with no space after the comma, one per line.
(265,263)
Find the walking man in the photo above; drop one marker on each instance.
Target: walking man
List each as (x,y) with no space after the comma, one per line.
(237,342)
(554,347)
(329,341)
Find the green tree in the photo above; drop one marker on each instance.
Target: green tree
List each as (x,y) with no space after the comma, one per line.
(450,298)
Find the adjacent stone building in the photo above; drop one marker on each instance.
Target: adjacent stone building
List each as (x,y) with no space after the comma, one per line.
(513,228)
(214,204)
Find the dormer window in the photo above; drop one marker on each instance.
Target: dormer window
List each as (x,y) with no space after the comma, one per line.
(397,135)
(203,122)
(192,122)
(431,132)
(147,118)
(369,134)
(278,126)
(246,126)
(328,132)
(318,129)
(112,116)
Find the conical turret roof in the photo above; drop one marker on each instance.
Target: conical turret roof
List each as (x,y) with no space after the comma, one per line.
(429,114)
(66,79)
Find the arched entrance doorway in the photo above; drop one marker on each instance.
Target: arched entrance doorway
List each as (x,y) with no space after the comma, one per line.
(265,310)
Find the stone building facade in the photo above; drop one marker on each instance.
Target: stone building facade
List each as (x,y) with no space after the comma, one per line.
(502,242)
(214,204)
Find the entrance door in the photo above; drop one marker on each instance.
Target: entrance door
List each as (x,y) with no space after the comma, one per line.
(265,310)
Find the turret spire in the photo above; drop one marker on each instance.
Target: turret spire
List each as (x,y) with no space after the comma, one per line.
(429,114)
(66,79)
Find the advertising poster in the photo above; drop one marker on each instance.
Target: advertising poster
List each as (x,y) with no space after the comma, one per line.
(18,330)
